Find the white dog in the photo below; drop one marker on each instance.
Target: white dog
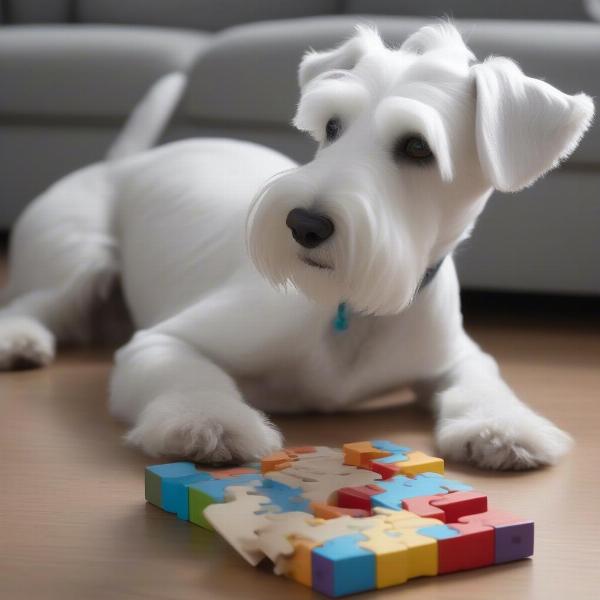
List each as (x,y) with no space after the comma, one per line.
(202,233)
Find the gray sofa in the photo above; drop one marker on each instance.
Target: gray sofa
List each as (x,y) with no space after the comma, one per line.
(70,71)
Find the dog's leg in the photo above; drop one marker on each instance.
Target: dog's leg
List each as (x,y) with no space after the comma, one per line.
(481,420)
(182,404)
(62,258)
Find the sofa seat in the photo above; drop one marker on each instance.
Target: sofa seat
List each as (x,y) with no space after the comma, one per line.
(64,71)
(252,68)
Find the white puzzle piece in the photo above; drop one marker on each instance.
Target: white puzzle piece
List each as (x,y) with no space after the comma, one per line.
(236,520)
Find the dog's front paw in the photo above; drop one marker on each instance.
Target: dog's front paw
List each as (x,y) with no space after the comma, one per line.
(24,344)
(518,439)
(177,426)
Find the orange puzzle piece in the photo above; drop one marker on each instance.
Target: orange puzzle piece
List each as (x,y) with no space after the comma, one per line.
(359,454)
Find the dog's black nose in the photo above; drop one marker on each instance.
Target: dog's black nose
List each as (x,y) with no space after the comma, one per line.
(309,229)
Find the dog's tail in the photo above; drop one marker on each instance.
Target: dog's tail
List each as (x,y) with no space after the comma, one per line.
(149,118)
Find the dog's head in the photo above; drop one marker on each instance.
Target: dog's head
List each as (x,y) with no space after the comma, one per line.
(412,141)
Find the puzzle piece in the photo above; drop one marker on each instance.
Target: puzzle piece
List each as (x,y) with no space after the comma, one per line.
(359,454)
(459,504)
(276,461)
(299,565)
(421,552)
(513,537)
(390,556)
(422,506)
(471,548)
(358,497)
(447,507)
(430,479)
(387,466)
(424,484)
(237,520)
(415,462)
(341,566)
(204,493)
(403,550)
(390,459)
(166,485)
(390,447)
(282,497)
(286,457)
(439,532)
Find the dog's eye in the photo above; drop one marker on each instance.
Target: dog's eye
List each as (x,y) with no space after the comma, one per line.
(414,148)
(333,129)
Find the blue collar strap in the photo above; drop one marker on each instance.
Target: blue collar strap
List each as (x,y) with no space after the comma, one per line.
(341,321)
(342,316)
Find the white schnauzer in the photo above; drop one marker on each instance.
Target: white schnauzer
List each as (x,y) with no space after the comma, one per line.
(203,235)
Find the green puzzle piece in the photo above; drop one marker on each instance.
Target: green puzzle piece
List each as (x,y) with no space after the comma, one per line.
(204,493)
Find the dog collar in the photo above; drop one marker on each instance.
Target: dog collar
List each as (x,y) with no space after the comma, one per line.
(429,274)
(341,321)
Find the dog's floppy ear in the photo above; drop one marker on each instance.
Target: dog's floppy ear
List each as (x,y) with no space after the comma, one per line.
(524,126)
(345,56)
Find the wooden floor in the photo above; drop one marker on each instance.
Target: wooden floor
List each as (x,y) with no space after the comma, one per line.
(74,524)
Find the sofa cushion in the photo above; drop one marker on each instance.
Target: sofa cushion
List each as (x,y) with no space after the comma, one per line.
(91,71)
(208,15)
(252,68)
(570,10)
(38,11)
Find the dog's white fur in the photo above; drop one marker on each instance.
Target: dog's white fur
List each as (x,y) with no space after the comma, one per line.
(215,338)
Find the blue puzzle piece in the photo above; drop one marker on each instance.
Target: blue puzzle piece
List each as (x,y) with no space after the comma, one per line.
(393,458)
(449,484)
(215,488)
(400,488)
(438,532)
(283,497)
(174,479)
(389,446)
(398,452)
(340,566)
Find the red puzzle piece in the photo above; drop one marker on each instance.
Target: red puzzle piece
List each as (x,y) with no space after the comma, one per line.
(386,470)
(423,506)
(447,507)
(358,497)
(458,504)
(492,518)
(473,548)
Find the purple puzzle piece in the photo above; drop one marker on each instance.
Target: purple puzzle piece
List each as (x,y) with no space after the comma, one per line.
(514,541)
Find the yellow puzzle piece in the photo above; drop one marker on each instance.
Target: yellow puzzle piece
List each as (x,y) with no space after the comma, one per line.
(419,462)
(401,552)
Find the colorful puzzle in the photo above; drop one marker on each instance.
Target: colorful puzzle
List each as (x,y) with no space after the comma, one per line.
(369,516)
